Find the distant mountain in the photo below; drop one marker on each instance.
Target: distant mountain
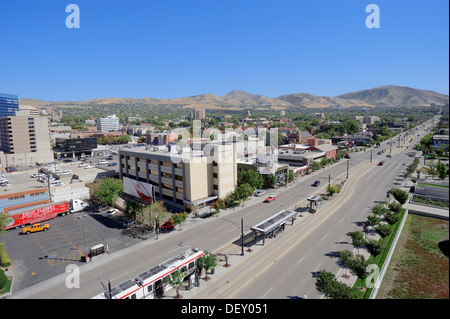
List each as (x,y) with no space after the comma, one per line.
(306,100)
(383,96)
(392,95)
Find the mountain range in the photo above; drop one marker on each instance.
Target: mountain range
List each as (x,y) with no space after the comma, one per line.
(383,96)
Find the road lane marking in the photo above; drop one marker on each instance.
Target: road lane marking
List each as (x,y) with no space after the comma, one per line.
(266,293)
(300,260)
(317,267)
(324,236)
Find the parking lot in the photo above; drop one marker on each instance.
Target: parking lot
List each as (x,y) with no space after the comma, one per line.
(42,255)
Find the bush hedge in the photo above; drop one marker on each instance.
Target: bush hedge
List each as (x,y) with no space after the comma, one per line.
(4,259)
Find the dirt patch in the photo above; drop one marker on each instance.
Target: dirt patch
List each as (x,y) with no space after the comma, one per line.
(419,268)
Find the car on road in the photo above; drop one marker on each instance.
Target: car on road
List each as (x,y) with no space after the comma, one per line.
(110,212)
(271,198)
(35,228)
(316,183)
(128,223)
(347,155)
(389,155)
(113,164)
(258,193)
(381,163)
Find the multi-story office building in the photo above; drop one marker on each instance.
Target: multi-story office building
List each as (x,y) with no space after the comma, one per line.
(24,139)
(198,114)
(9,104)
(110,123)
(183,178)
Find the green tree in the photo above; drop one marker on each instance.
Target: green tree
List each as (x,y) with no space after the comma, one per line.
(357,239)
(400,195)
(107,190)
(327,284)
(133,209)
(384,230)
(358,267)
(345,257)
(270,180)
(207,261)
(155,212)
(251,177)
(373,220)
(243,191)
(178,218)
(374,247)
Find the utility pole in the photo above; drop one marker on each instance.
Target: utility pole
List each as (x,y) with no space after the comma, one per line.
(371,155)
(347,168)
(242,236)
(329,184)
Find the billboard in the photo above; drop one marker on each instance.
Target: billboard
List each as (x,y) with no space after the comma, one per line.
(141,190)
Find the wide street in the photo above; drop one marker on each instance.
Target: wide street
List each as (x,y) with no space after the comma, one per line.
(314,253)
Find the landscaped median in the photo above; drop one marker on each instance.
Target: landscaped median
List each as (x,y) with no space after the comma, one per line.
(5,282)
(371,251)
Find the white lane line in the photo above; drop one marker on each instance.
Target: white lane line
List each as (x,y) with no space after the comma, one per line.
(266,293)
(300,260)
(324,236)
(317,267)
(119,276)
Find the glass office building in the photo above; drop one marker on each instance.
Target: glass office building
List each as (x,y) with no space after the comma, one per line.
(9,104)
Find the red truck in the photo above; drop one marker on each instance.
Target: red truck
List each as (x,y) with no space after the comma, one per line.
(27,217)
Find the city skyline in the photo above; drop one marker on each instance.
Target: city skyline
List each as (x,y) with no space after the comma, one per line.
(179,49)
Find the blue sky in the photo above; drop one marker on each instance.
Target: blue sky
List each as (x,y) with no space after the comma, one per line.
(177,48)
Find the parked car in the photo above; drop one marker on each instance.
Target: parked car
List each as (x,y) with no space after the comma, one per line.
(128,223)
(316,183)
(101,208)
(271,198)
(258,193)
(113,164)
(167,226)
(381,163)
(110,212)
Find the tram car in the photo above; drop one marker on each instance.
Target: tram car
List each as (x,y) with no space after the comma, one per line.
(150,284)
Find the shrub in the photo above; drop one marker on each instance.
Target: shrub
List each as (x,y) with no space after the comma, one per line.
(374,247)
(334,189)
(395,207)
(400,195)
(4,259)
(392,218)
(384,230)
(3,279)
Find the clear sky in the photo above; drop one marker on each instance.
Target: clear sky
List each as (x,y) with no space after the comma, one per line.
(177,48)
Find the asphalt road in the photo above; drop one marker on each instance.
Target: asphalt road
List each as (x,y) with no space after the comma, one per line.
(293,275)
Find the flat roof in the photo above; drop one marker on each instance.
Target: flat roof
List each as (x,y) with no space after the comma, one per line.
(274,221)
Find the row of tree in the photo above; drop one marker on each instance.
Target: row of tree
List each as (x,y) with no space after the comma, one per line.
(327,283)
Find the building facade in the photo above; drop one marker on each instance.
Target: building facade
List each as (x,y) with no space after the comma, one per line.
(25,139)
(110,123)
(183,178)
(9,104)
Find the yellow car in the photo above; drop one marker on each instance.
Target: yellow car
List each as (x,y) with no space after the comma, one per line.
(36,227)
